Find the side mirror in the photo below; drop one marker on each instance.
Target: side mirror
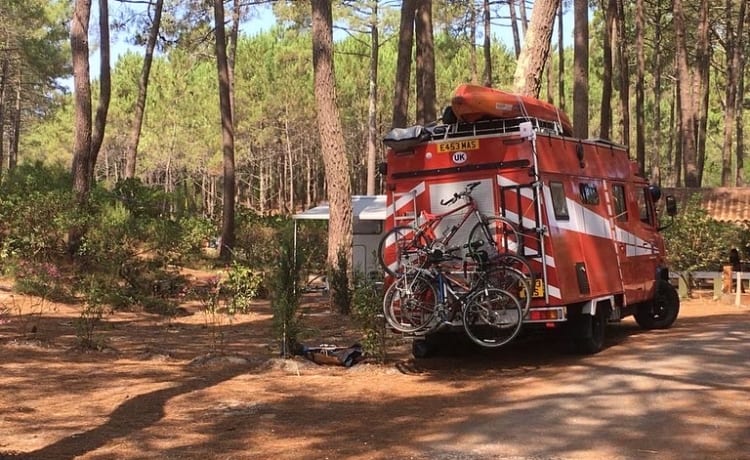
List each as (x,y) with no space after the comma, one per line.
(671,205)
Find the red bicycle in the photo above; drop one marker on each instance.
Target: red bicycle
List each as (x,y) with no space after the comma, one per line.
(407,246)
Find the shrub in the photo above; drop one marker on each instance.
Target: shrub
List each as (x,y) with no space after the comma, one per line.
(367,301)
(242,285)
(285,293)
(695,241)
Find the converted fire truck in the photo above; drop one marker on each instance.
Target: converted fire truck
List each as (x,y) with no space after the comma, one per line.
(586,217)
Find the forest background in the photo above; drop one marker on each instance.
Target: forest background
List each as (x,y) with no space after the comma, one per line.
(664,77)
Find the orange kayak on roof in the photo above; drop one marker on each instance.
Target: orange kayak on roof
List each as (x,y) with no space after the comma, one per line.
(471,103)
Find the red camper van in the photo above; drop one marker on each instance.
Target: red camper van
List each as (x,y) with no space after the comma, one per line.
(583,218)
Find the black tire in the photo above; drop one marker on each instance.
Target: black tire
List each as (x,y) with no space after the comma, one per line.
(492,317)
(589,332)
(662,312)
(495,235)
(399,249)
(409,304)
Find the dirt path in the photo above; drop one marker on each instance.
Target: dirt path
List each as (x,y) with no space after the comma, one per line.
(676,394)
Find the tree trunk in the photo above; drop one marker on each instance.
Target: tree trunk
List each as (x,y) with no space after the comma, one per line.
(131,152)
(730,94)
(640,119)
(403,64)
(372,106)
(560,55)
(686,99)
(703,75)
(656,175)
(513,26)
(472,43)
(530,68)
(105,88)
(3,95)
(331,136)
(13,152)
(487,74)
(624,74)
(740,154)
(425,69)
(605,121)
(227,134)
(79,44)
(581,70)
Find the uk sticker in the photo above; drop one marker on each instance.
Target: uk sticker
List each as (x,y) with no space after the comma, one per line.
(460,157)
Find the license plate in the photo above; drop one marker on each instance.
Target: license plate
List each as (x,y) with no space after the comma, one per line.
(538,289)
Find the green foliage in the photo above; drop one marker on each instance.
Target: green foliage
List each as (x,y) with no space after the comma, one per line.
(36,210)
(285,293)
(94,291)
(242,285)
(698,242)
(214,314)
(367,300)
(338,281)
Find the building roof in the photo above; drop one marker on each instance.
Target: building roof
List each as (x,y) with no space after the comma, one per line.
(364,207)
(726,204)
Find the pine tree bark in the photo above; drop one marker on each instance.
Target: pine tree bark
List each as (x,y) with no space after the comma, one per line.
(623,65)
(487,46)
(513,27)
(134,139)
(105,89)
(530,68)
(688,115)
(372,106)
(227,135)
(640,119)
(403,64)
(425,69)
(581,69)
(79,44)
(605,120)
(703,76)
(334,155)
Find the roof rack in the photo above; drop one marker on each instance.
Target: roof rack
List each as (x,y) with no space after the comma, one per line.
(494,126)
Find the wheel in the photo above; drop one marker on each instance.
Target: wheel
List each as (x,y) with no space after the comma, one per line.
(398,250)
(494,235)
(422,348)
(409,303)
(492,317)
(513,281)
(512,273)
(662,312)
(589,332)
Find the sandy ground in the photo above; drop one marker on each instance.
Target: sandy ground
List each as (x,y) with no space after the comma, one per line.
(192,388)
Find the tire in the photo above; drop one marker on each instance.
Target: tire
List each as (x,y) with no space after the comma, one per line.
(492,317)
(512,273)
(662,312)
(409,304)
(589,332)
(493,236)
(398,250)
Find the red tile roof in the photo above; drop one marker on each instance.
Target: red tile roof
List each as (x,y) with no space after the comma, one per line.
(727,204)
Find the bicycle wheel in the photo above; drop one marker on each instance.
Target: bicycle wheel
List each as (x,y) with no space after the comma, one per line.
(494,235)
(409,303)
(492,317)
(401,248)
(508,279)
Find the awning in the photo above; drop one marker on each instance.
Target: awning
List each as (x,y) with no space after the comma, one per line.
(364,207)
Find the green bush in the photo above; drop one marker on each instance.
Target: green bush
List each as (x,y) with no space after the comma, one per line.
(284,286)
(367,301)
(242,286)
(695,241)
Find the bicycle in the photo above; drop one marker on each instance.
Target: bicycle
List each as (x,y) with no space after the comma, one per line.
(403,247)
(423,299)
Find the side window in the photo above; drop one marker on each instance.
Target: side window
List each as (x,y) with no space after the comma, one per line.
(367,227)
(559,203)
(589,194)
(644,209)
(621,208)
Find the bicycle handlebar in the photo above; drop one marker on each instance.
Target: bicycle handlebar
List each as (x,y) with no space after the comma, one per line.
(456,196)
